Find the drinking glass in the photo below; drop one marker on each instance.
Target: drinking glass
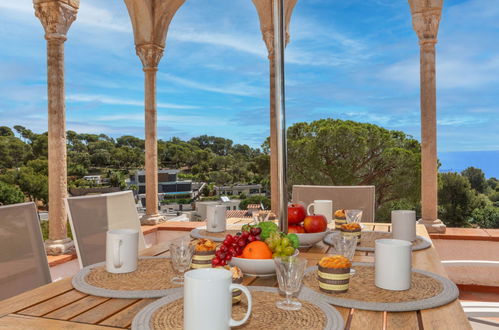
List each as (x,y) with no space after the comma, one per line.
(345,246)
(353,216)
(290,271)
(181,252)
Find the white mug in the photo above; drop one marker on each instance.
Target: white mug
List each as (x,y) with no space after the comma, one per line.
(208,299)
(122,250)
(393,264)
(404,225)
(216,221)
(324,207)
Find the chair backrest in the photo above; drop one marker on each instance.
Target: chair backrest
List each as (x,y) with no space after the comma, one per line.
(23,262)
(92,216)
(343,197)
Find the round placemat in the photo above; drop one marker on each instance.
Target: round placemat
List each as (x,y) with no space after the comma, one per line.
(368,238)
(167,313)
(428,290)
(150,280)
(217,237)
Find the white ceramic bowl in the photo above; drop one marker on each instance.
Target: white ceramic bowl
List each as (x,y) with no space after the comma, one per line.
(309,239)
(256,267)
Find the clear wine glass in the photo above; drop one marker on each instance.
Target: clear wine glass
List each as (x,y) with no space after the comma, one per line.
(353,216)
(290,271)
(181,252)
(345,246)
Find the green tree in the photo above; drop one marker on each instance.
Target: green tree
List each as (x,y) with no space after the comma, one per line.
(456,199)
(337,152)
(255,200)
(476,177)
(33,184)
(13,152)
(117,179)
(486,217)
(6,131)
(10,194)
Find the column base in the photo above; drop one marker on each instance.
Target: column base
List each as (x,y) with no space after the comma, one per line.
(59,246)
(152,219)
(433,226)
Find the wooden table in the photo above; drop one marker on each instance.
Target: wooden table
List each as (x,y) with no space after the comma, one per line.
(59,306)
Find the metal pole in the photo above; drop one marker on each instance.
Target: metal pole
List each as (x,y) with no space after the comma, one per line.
(282,163)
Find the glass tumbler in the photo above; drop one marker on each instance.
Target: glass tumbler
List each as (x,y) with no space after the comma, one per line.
(290,271)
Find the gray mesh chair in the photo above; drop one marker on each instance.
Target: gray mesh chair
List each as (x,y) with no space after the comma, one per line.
(92,216)
(23,262)
(343,197)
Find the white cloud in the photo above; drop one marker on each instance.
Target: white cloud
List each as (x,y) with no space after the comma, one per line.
(239,88)
(120,101)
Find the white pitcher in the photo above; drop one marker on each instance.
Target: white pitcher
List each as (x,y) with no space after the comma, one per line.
(208,299)
(324,207)
(216,220)
(122,250)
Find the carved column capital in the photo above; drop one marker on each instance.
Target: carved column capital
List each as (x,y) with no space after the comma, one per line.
(268,37)
(426,23)
(150,55)
(56,17)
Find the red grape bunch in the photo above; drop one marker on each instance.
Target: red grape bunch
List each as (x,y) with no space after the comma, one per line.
(233,246)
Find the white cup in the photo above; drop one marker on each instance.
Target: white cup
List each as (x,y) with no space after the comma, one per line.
(122,250)
(216,221)
(208,299)
(324,207)
(393,264)
(404,225)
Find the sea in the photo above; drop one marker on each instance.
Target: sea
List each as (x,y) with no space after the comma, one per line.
(456,161)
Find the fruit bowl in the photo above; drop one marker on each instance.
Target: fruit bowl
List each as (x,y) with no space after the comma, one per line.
(256,267)
(309,239)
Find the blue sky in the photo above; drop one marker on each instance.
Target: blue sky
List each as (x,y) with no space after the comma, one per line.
(354,59)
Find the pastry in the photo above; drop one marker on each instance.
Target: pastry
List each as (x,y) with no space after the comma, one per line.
(334,274)
(351,230)
(204,251)
(340,218)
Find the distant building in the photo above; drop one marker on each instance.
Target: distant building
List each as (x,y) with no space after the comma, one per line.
(168,184)
(247,189)
(93,178)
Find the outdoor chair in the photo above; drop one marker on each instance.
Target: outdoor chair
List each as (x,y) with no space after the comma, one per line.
(343,197)
(92,216)
(23,262)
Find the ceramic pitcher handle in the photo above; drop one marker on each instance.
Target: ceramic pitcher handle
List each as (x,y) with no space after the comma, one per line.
(116,259)
(232,322)
(308,208)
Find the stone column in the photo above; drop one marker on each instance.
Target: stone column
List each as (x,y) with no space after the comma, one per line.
(56,17)
(425,22)
(150,55)
(268,37)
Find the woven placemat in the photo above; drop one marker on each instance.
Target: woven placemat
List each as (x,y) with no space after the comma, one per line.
(428,290)
(368,238)
(217,237)
(150,280)
(167,313)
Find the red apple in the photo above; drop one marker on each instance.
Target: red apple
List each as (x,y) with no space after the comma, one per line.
(315,223)
(297,229)
(296,213)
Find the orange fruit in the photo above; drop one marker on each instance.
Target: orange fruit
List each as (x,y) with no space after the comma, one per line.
(257,250)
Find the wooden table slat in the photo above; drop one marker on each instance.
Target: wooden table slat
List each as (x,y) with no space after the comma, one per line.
(34,296)
(104,311)
(362,319)
(24,322)
(402,321)
(53,303)
(69,311)
(123,319)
